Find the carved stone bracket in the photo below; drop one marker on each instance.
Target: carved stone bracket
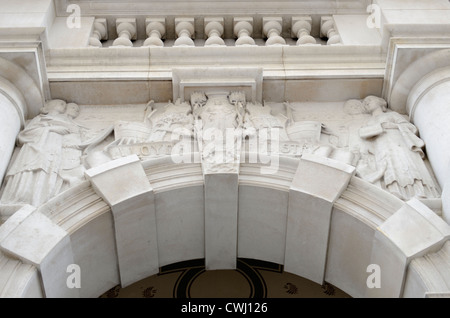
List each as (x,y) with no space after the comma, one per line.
(272,28)
(126,30)
(184,28)
(99,33)
(155,30)
(301,29)
(243,29)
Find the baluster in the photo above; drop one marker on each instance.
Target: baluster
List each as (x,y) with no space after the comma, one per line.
(301,29)
(184,28)
(243,29)
(214,31)
(272,28)
(329,31)
(155,30)
(99,33)
(126,31)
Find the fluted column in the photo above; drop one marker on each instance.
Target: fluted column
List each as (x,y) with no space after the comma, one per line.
(155,30)
(214,31)
(126,31)
(272,28)
(99,33)
(243,30)
(184,28)
(301,29)
(12,107)
(328,30)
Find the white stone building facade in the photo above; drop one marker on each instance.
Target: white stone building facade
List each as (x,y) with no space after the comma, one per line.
(312,134)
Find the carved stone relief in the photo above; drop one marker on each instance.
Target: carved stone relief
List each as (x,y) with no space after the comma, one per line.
(392,154)
(59,144)
(50,157)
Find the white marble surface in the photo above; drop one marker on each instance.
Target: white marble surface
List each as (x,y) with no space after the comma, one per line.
(431,118)
(426,276)
(124,185)
(37,240)
(262,221)
(10,127)
(221,215)
(19,280)
(354,30)
(61,36)
(94,250)
(236,220)
(411,232)
(350,243)
(180,222)
(316,185)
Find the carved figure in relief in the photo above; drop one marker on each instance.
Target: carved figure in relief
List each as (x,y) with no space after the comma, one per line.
(397,150)
(218,110)
(218,126)
(293,137)
(49,160)
(33,177)
(75,150)
(259,117)
(168,124)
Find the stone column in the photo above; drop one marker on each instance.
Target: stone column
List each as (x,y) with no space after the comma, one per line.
(428,106)
(12,108)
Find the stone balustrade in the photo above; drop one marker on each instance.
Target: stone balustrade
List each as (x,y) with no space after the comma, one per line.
(216,31)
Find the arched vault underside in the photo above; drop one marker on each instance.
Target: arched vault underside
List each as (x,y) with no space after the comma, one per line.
(313,216)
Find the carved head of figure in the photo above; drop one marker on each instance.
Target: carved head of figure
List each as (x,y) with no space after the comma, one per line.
(72,110)
(374,105)
(236,98)
(54,106)
(353,107)
(198,99)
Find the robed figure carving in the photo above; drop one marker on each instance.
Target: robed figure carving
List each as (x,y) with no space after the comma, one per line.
(398,152)
(50,158)
(219,120)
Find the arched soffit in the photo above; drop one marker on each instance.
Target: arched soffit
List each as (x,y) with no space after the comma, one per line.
(413,74)
(73,209)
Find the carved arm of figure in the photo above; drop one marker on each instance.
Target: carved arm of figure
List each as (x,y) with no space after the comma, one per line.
(413,142)
(366,172)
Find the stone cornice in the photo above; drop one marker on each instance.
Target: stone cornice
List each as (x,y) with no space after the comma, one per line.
(113,7)
(157,63)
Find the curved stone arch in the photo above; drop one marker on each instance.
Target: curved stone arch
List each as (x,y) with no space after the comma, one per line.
(366,225)
(413,74)
(25,84)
